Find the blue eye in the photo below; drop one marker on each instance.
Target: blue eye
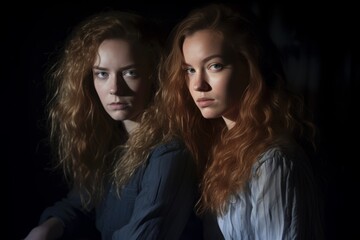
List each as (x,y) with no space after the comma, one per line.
(130,73)
(216,66)
(190,70)
(101,74)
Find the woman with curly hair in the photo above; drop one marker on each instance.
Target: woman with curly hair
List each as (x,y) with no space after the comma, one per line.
(224,91)
(103,81)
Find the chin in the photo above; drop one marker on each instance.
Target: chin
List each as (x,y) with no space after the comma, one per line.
(117,117)
(210,115)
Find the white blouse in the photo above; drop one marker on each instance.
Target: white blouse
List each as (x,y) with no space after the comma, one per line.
(277,201)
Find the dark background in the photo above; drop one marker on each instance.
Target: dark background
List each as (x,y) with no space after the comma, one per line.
(321,58)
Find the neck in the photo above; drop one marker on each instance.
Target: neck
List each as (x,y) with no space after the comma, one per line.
(130,125)
(229,123)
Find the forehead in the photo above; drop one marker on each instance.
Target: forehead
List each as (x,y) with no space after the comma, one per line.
(115,47)
(203,37)
(205,43)
(117,51)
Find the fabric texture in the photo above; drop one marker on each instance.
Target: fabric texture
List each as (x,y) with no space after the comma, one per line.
(277,201)
(157,203)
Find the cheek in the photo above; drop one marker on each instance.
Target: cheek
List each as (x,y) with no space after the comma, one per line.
(188,85)
(237,84)
(189,88)
(187,82)
(136,86)
(102,97)
(143,91)
(98,90)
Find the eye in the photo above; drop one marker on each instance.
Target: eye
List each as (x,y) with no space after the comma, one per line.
(216,67)
(101,74)
(133,73)
(189,70)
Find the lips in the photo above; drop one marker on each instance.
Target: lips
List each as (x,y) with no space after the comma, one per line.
(118,106)
(204,102)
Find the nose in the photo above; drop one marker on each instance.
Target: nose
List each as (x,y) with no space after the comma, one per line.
(117,85)
(201,82)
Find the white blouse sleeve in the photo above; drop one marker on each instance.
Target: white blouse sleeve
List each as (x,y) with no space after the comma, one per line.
(267,208)
(273,198)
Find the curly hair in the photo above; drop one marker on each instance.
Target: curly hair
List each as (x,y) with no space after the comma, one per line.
(82,133)
(266,109)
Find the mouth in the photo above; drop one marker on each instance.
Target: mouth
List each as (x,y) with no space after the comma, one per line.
(119,105)
(204,102)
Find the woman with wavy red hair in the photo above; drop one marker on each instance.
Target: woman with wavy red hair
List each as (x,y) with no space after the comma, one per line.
(103,81)
(224,87)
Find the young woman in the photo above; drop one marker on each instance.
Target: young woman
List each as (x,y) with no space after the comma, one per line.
(104,80)
(227,92)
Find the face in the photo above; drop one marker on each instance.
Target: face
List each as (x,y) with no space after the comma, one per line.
(121,80)
(215,75)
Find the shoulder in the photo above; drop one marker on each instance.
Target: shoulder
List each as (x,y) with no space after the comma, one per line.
(171,152)
(169,160)
(285,156)
(174,146)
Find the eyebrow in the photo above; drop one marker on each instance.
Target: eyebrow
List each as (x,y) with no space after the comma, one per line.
(98,68)
(208,58)
(121,69)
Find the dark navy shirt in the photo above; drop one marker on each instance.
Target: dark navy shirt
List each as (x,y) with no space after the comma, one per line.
(157,203)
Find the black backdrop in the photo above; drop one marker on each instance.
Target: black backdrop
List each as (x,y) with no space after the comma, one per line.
(321,59)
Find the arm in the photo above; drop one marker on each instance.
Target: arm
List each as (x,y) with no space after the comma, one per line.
(284,198)
(274,201)
(166,199)
(65,218)
(50,229)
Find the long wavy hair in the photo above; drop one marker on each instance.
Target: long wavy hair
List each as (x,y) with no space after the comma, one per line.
(266,109)
(81,132)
